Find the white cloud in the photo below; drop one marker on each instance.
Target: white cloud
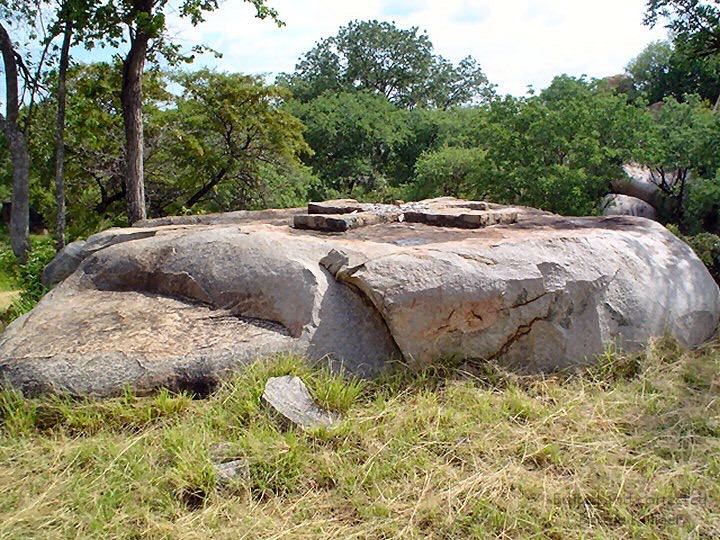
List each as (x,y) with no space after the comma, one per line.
(517,42)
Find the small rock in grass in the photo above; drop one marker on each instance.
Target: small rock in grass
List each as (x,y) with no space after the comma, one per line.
(231,471)
(289,397)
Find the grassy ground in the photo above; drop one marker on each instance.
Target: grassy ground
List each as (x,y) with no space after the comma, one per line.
(630,449)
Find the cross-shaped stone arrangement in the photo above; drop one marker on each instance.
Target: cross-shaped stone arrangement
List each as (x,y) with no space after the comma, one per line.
(341,215)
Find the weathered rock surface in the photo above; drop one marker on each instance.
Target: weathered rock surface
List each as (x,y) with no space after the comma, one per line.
(623,205)
(183,304)
(640,182)
(288,397)
(73,254)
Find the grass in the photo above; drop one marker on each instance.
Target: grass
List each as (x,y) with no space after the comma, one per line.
(628,449)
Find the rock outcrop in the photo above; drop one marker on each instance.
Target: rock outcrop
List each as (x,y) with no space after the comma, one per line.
(624,205)
(639,182)
(638,192)
(181,302)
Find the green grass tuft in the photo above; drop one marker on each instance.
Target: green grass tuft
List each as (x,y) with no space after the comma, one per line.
(628,448)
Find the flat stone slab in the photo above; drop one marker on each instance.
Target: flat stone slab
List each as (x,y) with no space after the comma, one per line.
(342,222)
(461,218)
(289,397)
(342,215)
(335,206)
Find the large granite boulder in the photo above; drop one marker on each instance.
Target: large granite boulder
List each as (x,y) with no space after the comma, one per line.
(182,303)
(615,204)
(640,182)
(638,193)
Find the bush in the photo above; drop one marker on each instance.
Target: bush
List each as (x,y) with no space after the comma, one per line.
(707,247)
(703,206)
(28,276)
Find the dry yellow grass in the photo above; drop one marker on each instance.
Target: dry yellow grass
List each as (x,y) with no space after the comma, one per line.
(628,450)
(6,298)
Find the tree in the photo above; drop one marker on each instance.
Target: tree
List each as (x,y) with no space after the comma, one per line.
(94,140)
(399,64)
(222,139)
(663,69)
(692,22)
(557,150)
(15,136)
(695,26)
(143,24)
(353,136)
(225,143)
(681,149)
(451,171)
(65,26)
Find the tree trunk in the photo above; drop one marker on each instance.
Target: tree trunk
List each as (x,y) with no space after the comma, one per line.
(60,138)
(20,211)
(133,66)
(20,202)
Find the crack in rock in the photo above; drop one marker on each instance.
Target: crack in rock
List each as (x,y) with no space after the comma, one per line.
(522,331)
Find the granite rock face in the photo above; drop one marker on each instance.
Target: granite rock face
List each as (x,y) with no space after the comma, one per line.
(181,303)
(638,192)
(615,204)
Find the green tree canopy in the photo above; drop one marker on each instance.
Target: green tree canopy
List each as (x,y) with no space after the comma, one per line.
(399,64)
(557,150)
(663,69)
(226,144)
(695,23)
(353,136)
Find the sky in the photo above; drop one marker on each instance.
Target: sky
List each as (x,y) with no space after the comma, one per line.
(518,43)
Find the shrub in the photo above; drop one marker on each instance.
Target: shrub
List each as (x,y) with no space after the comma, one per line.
(27,277)
(707,246)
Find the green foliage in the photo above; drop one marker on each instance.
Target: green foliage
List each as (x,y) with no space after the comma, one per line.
(703,206)
(353,137)
(681,147)
(557,150)
(398,64)
(560,149)
(664,69)
(94,135)
(451,171)
(225,144)
(30,273)
(707,247)
(26,277)
(693,23)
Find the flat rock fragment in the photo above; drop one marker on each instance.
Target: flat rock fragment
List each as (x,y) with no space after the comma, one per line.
(228,472)
(342,222)
(335,206)
(289,397)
